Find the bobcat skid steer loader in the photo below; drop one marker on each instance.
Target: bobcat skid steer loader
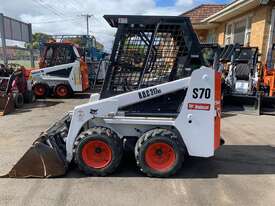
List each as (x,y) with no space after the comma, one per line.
(156,94)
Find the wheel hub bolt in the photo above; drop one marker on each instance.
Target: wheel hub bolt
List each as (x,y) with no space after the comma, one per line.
(159,152)
(98,150)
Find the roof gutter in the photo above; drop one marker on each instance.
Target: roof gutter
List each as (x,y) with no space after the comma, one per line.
(204,25)
(235,6)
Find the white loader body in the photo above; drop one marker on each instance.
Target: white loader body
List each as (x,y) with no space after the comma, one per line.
(71,77)
(195,121)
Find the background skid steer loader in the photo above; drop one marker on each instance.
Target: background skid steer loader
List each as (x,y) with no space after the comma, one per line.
(62,71)
(241,81)
(247,85)
(15,88)
(6,98)
(155,95)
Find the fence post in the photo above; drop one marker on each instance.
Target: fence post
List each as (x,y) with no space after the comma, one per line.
(3,38)
(31,46)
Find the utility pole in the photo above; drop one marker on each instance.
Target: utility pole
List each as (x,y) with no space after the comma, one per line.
(87,16)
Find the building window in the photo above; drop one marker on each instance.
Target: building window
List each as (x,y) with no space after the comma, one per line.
(248,31)
(211,37)
(238,31)
(228,34)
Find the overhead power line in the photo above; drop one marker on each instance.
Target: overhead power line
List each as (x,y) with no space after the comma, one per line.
(87,17)
(48,7)
(56,21)
(97,20)
(56,9)
(74,5)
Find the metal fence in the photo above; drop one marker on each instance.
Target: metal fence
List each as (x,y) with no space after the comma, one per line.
(14,30)
(19,55)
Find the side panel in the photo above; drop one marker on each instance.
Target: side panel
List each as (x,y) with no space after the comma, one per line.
(84,70)
(44,71)
(51,76)
(196,119)
(218,94)
(75,79)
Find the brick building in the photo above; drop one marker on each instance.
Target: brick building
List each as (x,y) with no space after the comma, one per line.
(247,22)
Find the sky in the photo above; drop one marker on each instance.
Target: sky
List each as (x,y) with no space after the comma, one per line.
(64,17)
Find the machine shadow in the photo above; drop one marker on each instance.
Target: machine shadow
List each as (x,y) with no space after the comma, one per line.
(232,160)
(228,160)
(227,115)
(82,95)
(85,95)
(40,103)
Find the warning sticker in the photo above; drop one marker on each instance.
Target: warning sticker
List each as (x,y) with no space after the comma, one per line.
(196,106)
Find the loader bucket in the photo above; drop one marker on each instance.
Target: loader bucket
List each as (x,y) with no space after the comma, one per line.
(268,105)
(6,104)
(46,157)
(243,104)
(39,161)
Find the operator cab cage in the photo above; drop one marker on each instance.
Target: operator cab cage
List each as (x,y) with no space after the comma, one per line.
(229,52)
(246,55)
(245,62)
(58,53)
(209,51)
(150,50)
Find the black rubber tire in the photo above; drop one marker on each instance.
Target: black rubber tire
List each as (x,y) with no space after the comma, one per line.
(106,135)
(45,86)
(157,136)
(18,100)
(29,97)
(62,85)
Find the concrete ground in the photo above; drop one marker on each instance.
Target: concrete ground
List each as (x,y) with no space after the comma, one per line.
(241,173)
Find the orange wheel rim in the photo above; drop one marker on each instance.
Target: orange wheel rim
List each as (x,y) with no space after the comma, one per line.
(160,156)
(97,154)
(62,91)
(39,90)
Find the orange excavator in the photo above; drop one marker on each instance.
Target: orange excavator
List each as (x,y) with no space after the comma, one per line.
(269,81)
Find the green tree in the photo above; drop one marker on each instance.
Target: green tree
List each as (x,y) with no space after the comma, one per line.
(37,39)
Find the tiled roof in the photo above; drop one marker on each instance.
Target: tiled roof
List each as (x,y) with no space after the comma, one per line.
(203,11)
